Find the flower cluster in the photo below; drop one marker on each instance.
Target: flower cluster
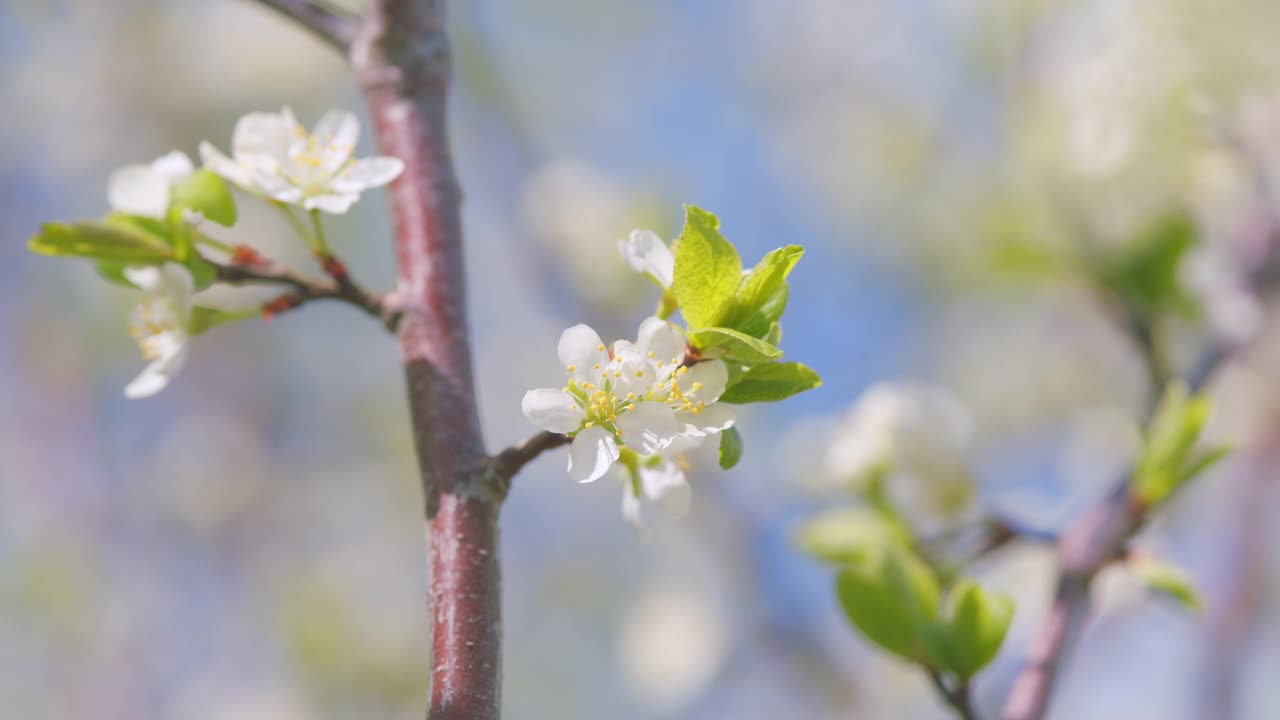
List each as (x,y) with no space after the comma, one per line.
(642,397)
(273,157)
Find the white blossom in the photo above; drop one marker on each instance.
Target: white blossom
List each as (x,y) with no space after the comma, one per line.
(661,481)
(645,252)
(143,189)
(914,436)
(159,324)
(273,155)
(641,395)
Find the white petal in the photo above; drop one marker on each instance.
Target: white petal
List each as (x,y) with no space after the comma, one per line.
(657,336)
(335,204)
(552,410)
(156,375)
(173,167)
(137,190)
(367,173)
(146,277)
(711,377)
(647,253)
(666,485)
(631,372)
(337,127)
(580,348)
(712,419)
(648,427)
(215,160)
(591,453)
(176,284)
(631,509)
(269,134)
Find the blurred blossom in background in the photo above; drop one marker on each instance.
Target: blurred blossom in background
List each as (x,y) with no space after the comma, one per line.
(248,544)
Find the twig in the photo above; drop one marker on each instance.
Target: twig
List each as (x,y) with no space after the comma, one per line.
(336,30)
(956,697)
(305,289)
(509,462)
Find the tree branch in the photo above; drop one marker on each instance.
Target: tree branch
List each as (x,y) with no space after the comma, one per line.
(337,30)
(402,60)
(306,289)
(509,462)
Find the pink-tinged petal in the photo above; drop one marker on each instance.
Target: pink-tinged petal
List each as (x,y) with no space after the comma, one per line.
(648,427)
(367,173)
(591,454)
(581,351)
(552,410)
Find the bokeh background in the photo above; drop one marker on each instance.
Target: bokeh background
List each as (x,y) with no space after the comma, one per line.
(248,544)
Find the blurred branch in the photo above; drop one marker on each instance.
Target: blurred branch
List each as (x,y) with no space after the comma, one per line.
(510,461)
(335,29)
(956,697)
(305,289)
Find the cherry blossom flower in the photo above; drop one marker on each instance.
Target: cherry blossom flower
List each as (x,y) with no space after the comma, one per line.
(661,481)
(273,155)
(648,254)
(159,324)
(143,189)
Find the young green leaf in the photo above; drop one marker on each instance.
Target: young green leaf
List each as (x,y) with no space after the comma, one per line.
(849,534)
(100,241)
(1147,276)
(977,626)
(891,597)
(206,193)
(725,342)
(771,382)
(708,270)
(1167,580)
(760,289)
(203,319)
(1166,464)
(730,448)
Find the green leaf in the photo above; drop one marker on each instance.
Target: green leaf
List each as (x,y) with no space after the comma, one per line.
(730,448)
(206,193)
(848,535)
(734,345)
(771,382)
(100,241)
(1166,463)
(976,629)
(202,273)
(1203,462)
(204,319)
(708,270)
(759,288)
(1146,276)
(1168,580)
(891,597)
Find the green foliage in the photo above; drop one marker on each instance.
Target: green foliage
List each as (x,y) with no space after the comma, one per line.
(762,296)
(707,272)
(117,242)
(730,448)
(731,344)
(1167,580)
(891,596)
(846,535)
(975,630)
(1146,276)
(206,193)
(1167,461)
(771,382)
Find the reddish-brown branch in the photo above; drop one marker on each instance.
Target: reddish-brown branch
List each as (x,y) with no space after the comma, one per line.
(247,267)
(510,461)
(401,57)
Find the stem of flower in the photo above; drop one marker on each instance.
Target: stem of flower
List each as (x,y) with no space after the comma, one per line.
(298,226)
(320,246)
(215,244)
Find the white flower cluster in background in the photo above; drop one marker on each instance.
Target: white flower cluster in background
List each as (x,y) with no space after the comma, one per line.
(913,438)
